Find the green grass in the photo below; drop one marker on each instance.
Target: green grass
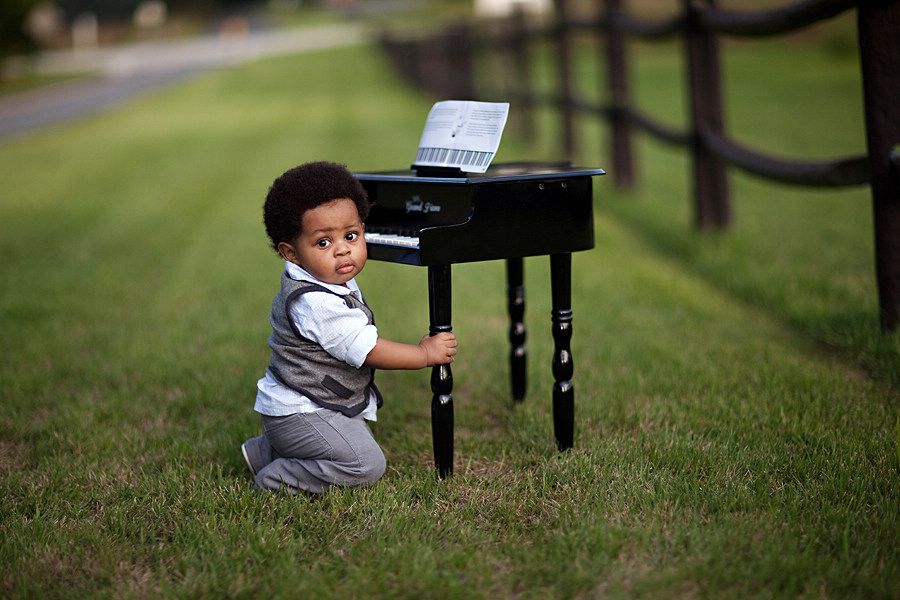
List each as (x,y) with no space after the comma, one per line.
(737,425)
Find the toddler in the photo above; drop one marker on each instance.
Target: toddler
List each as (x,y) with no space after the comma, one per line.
(319,388)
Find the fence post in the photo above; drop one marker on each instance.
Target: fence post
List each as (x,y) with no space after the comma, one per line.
(563,53)
(711,195)
(617,85)
(522,72)
(459,71)
(879,45)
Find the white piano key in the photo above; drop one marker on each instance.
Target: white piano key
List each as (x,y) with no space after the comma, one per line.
(389,239)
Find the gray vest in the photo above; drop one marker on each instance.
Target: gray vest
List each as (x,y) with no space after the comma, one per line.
(305,367)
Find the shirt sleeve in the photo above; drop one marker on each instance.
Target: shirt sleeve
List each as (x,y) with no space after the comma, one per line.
(343,332)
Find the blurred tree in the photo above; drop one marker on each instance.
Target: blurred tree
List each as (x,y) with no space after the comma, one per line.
(104,9)
(12,16)
(123,9)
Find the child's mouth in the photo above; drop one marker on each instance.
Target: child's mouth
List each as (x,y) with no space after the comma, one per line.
(345,268)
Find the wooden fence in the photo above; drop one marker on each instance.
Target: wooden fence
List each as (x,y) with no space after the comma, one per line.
(443,65)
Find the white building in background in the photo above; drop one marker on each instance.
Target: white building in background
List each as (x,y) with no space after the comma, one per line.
(504,8)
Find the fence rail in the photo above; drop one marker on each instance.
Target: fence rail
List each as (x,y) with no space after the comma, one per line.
(443,65)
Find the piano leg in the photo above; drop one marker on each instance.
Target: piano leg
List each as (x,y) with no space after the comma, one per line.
(439,309)
(515,295)
(563,368)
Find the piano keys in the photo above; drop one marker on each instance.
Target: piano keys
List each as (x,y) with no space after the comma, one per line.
(436,217)
(409,240)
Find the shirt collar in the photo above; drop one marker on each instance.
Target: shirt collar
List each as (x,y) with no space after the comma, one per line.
(298,273)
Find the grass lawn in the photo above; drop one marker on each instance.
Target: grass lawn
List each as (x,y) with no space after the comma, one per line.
(736,429)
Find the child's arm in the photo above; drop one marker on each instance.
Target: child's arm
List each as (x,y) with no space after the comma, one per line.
(432,350)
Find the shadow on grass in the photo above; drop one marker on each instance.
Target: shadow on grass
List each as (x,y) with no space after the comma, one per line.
(850,332)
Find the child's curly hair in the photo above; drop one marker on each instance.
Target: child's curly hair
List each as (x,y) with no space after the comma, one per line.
(303,188)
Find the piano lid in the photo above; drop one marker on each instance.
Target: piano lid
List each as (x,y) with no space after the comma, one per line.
(516,171)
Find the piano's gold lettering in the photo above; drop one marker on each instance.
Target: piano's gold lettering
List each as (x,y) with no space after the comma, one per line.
(416,205)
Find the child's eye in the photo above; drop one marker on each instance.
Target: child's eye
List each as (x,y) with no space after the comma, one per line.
(352,236)
(323,243)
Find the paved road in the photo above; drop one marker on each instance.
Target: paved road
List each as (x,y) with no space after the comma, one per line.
(126,71)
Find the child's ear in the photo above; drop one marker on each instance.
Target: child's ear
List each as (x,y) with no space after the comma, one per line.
(287,252)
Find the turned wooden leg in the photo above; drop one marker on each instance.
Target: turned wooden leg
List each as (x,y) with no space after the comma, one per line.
(563,368)
(515,295)
(439,310)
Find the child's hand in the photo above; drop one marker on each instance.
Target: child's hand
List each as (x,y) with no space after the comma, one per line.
(439,349)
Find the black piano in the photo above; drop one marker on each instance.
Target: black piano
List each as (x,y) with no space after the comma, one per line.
(436,216)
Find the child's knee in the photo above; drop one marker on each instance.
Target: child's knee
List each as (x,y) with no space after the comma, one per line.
(267,482)
(284,474)
(271,478)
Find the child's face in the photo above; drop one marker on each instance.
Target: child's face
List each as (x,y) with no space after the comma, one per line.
(331,245)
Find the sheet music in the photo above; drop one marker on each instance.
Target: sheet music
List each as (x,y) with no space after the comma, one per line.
(462,133)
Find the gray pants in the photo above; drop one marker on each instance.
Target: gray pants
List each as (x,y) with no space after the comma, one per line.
(314,451)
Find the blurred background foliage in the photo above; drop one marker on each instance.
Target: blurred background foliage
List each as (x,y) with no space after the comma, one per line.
(31,25)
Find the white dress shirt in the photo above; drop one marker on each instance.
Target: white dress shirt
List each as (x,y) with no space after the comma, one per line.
(343,332)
